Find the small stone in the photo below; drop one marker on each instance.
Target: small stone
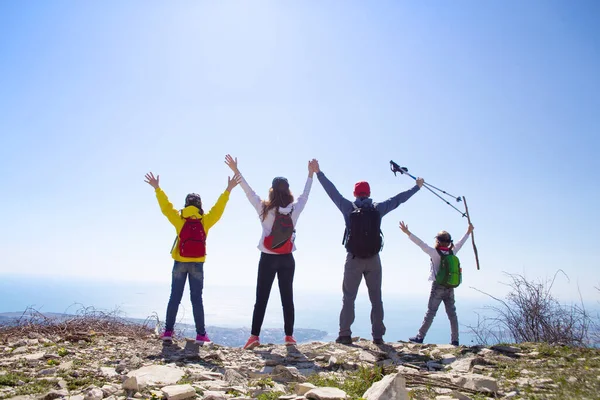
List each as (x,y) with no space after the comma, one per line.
(130,383)
(109,390)
(326,393)
(94,394)
(47,371)
(391,387)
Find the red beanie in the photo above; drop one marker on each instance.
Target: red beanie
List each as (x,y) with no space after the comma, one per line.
(362,189)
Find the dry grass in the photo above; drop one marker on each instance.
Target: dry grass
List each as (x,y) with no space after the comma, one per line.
(82,325)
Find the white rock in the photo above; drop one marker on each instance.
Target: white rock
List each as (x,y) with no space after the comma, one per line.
(178,392)
(448,359)
(460,396)
(109,390)
(209,395)
(476,382)
(157,375)
(108,372)
(463,364)
(391,387)
(303,388)
(130,383)
(326,393)
(94,394)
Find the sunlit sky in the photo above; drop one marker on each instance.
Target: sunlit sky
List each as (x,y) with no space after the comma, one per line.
(497,101)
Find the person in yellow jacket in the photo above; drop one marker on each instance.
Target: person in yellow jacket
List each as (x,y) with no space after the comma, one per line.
(189,251)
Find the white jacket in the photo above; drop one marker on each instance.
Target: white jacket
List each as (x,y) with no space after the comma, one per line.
(435,256)
(295,208)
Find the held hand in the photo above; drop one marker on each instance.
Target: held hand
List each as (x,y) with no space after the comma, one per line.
(151,180)
(232,163)
(312,167)
(470,229)
(420,182)
(404,228)
(316,167)
(233,182)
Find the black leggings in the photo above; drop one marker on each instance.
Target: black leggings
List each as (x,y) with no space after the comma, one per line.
(282,265)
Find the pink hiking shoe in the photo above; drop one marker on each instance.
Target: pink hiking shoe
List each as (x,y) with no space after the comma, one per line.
(289,341)
(252,342)
(201,339)
(167,336)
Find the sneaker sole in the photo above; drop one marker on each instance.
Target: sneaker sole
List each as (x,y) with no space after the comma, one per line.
(201,343)
(252,345)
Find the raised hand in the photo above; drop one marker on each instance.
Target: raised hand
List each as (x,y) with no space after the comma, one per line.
(404,228)
(151,180)
(311,167)
(232,163)
(420,182)
(316,167)
(470,229)
(233,182)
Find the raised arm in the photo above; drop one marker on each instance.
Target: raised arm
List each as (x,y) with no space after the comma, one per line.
(392,203)
(462,241)
(216,211)
(303,198)
(163,201)
(254,199)
(344,205)
(426,248)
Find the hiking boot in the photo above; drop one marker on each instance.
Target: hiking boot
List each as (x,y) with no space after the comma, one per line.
(415,339)
(454,343)
(252,342)
(344,340)
(201,339)
(289,341)
(378,341)
(167,336)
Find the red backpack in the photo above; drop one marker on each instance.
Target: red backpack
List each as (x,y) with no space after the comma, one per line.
(192,239)
(281,239)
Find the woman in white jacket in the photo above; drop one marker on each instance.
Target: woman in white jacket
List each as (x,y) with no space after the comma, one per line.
(278,216)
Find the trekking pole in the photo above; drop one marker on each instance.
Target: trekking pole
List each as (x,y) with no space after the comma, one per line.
(472,236)
(403,170)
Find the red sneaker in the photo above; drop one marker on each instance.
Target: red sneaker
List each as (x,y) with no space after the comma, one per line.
(201,339)
(289,341)
(167,336)
(252,342)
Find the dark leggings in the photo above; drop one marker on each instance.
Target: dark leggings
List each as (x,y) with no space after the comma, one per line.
(282,265)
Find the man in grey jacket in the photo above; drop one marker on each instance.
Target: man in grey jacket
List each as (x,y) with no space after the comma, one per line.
(358,266)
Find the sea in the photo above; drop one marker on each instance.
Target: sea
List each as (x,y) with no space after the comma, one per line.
(231,307)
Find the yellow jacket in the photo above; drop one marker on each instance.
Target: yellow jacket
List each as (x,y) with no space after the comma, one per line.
(178,219)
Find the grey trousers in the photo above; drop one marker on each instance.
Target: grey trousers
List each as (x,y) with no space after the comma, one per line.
(354,270)
(439,294)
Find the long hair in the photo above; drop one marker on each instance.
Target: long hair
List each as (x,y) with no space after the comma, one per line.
(277,198)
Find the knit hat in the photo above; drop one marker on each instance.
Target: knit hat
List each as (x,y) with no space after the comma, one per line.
(193,199)
(362,189)
(280,183)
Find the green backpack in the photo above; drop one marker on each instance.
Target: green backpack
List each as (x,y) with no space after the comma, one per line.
(450,272)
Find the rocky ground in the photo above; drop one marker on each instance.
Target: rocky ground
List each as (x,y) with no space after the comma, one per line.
(90,366)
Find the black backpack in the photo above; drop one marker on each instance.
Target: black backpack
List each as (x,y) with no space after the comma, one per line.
(363,237)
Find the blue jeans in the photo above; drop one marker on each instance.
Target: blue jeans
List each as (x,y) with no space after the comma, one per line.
(195,271)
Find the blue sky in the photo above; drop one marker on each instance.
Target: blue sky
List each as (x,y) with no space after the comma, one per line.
(496,101)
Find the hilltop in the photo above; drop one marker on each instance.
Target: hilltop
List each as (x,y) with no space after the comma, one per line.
(130,362)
